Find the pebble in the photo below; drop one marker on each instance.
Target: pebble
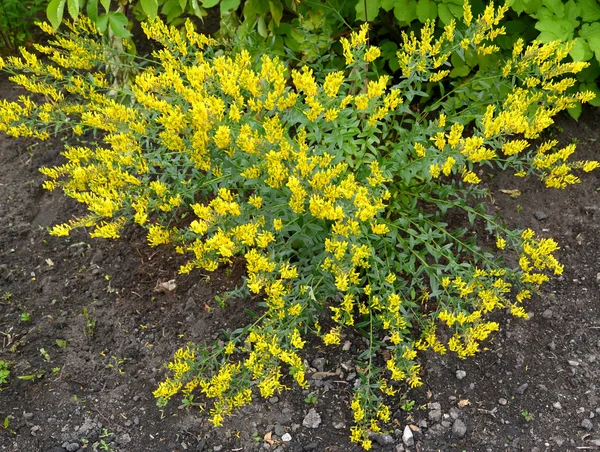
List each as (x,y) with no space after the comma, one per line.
(319,364)
(72,447)
(311,446)
(573,363)
(274,399)
(547,314)
(587,424)
(286,438)
(338,425)
(382,439)
(540,215)
(312,419)
(502,401)
(434,406)
(460,374)
(27,416)
(279,430)
(407,437)
(459,429)
(521,389)
(557,405)
(552,346)
(435,415)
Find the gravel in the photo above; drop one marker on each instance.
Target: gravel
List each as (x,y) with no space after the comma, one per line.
(312,419)
(459,429)
(460,374)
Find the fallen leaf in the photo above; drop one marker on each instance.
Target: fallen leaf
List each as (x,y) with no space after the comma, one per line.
(463,402)
(429,394)
(414,428)
(268,439)
(49,262)
(513,193)
(166,286)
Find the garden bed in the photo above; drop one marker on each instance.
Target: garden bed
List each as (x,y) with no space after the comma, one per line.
(104,316)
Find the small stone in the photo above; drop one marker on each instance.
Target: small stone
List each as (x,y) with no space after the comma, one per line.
(552,346)
(423,423)
(547,314)
(136,420)
(435,415)
(557,405)
(587,424)
(319,364)
(540,215)
(459,429)
(399,448)
(279,430)
(407,437)
(521,389)
(311,446)
(502,401)
(273,399)
(338,425)
(573,363)
(382,438)
(27,416)
(312,419)
(136,398)
(434,406)
(454,413)
(286,437)
(217,448)
(460,374)
(72,447)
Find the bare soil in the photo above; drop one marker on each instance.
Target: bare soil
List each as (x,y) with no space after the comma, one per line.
(84,381)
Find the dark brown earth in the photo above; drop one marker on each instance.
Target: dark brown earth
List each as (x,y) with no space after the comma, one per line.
(535,388)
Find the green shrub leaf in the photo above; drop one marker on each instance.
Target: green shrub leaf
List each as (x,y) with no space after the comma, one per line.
(591,33)
(150,7)
(590,10)
(426,9)
(91,9)
(118,24)
(581,50)
(228,5)
(276,10)
(54,12)
(371,12)
(73,7)
(405,11)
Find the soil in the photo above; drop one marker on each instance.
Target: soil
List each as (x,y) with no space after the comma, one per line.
(86,335)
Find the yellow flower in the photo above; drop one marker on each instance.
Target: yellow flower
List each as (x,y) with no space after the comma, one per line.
(500,243)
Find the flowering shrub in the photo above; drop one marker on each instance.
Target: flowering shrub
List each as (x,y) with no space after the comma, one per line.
(334,187)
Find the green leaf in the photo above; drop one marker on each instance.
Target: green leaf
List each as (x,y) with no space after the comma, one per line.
(581,50)
(593,87)
(102,23)
(209,3)
(518,6)
(106,5)
(445,13)
(557,7)
(371,12)
(228,5)
(388,5)
(426,9)
(118,24)
(73,7)
(54,12)
(575,112)
(183,4)
(405,11)
(150,8)
(590,10)
(591,33)
(276,10)
(262,27)
(91,9)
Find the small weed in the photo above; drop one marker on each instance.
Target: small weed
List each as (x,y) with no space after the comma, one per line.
(45,354)
(256,437)
(6,296)
(90,323)
(311,399)
(25,317)
(408,405)
(61,343)
(6,426)
(527,415)
(4,372)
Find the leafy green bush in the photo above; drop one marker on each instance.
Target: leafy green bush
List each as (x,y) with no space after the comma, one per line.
(16,21)
(335,186)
